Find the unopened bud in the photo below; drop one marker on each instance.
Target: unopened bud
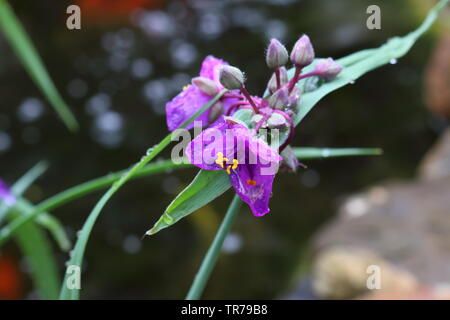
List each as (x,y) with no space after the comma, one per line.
(277,55)
(290,161)
(272,85)
(206,85)
(231,78)
(327,69)
(294,98)
(215,112)
(303,52)
(280,99)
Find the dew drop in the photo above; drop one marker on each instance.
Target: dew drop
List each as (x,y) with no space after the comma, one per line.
(393,61)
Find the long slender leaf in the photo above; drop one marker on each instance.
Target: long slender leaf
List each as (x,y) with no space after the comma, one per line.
(34,243)
(316,153)
(355,65)
(37,250)
(24,49)
(208,185)
(80,246)
(80,190)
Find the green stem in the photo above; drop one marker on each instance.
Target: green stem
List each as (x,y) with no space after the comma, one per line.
(80,246)
(78,191)
(203,274)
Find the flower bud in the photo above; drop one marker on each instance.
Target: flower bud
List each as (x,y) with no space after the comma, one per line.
(327,69)
(294,98)
(231,78)
(272,85)
(277,55)
(206,85)
(280,99)
(215,112)
(303,52)
(290,161)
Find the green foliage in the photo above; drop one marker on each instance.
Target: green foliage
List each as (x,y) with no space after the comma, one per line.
(24,49)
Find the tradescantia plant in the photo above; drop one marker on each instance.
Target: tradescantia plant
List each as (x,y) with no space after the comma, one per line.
(262,125)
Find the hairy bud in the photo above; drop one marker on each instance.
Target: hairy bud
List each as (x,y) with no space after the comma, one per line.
(231,77)
(327,69)
(303,52)
(280,99)
(272,85)
(206,85)
(277,55)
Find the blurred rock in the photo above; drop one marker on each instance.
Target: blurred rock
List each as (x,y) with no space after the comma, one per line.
(343,273)
(436,163)
(419,293)
(404,228)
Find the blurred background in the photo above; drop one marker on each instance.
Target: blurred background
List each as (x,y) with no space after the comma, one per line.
(131,57)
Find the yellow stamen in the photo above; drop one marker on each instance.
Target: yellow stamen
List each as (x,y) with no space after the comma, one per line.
(220,159)
(228,169)
(235,164)
(186,86)
(251,182)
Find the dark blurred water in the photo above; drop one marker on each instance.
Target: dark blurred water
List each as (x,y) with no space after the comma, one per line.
(117,73)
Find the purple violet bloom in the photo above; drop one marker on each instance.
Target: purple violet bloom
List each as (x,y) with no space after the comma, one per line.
(192,98)
(249,161)
(5,194)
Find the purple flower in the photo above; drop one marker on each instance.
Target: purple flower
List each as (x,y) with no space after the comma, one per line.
(192,98)
(249,161)
(5,194)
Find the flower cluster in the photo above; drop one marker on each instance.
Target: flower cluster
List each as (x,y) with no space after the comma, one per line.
(240,147)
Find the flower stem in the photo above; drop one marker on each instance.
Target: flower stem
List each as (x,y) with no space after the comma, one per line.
(277,76)
(295,78)
(202,276)
(249,99)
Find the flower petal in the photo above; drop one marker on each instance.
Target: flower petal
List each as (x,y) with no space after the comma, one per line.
(211,69)
(253,186)
(184,105)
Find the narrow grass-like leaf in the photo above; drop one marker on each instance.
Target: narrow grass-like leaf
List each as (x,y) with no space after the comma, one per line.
(80,246)
(37,251)
(24,49)
(46,220)
(206,186)
(358,64)
(80,190)
(34,244)
(316,153)
(24,207)
(355,65)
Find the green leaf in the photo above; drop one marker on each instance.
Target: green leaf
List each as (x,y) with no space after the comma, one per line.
(23,183)
(80,246)
(355,65)
(37,251)
(24,49)
(358,64)
(316,153)
(34,244)
(46,220)
(80,190)
(206,186)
